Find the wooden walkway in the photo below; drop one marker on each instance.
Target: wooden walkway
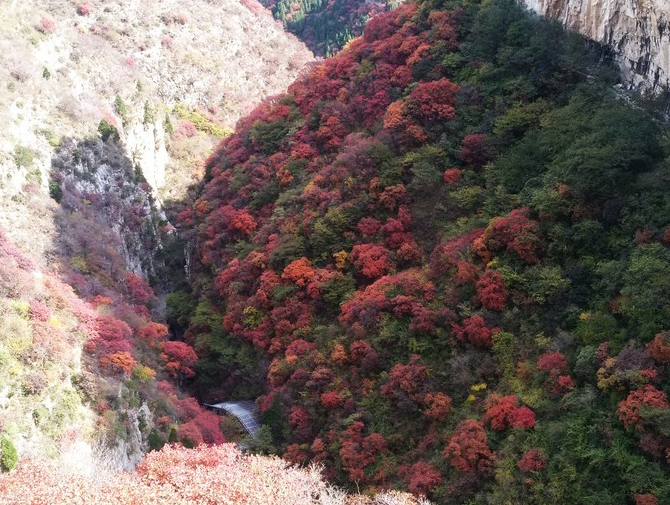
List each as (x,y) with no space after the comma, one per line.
(245,411)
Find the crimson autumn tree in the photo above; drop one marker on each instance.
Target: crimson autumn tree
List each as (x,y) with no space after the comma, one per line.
(179,358)
(468,449)
(648,396)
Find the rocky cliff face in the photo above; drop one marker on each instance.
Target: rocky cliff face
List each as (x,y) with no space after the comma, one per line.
(637,30)
(67,65)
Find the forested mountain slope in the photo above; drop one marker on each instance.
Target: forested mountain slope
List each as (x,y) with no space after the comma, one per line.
(107,109)
(326,26)
(441,261)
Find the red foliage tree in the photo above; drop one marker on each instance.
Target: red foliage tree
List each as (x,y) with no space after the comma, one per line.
(523,418)
(113,335)
(504,411)
(532,461)
(371,260)
(394,117)
(299,272)
(552,362)
(659,348)
(645,499)
(393,196)
(443,28)
(153,333)
(295,454)
(84,9)
(138,290)
(179,358)
(421,477)
(499,409)
(331,400)
(39,311)
(363,354)
(491,290)
(468,448)
(475,331)
(299,348)
(645,397)
(299,420)
(438,405)
(120,361)
(208,424)
(409,379)
(433,101)
(190,434)
(242,222)
(109,328)
(369,226)
(447,255)
(474,151)
(358,452)
(452,175)
(514,232)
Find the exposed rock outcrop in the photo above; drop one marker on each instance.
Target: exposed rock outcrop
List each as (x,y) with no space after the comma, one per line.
(637,30)
(66,67)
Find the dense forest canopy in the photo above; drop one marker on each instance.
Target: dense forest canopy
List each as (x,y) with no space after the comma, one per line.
(326,26)
(441,260)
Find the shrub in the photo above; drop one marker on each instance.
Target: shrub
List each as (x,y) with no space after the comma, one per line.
(46,26)
(84,9)
(108,131)
(8,455)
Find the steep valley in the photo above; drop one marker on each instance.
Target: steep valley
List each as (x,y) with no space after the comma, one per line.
(437,261)
(108,111)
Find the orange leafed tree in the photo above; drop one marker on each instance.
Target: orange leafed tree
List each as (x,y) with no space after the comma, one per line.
(153,333)
(645,397)
(120,361)
(299,272)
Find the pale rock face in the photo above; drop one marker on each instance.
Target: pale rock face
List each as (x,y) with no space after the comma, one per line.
(146,146)
(637,30)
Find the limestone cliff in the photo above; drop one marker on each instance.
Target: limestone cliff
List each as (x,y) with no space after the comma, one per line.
(637,30)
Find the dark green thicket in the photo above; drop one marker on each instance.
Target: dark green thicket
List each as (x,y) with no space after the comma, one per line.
(8,455)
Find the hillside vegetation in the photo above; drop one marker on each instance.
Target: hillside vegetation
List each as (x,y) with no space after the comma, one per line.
(179,476)
(171,77)
(440,261)
(85,362)
(326,26)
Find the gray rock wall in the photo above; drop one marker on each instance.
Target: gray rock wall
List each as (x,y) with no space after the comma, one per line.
(637,30)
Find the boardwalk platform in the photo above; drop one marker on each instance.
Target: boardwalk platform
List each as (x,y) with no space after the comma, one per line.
(245,411)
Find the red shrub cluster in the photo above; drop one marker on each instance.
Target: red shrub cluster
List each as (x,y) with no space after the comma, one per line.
(179,358)
(532,461)
(504,411)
